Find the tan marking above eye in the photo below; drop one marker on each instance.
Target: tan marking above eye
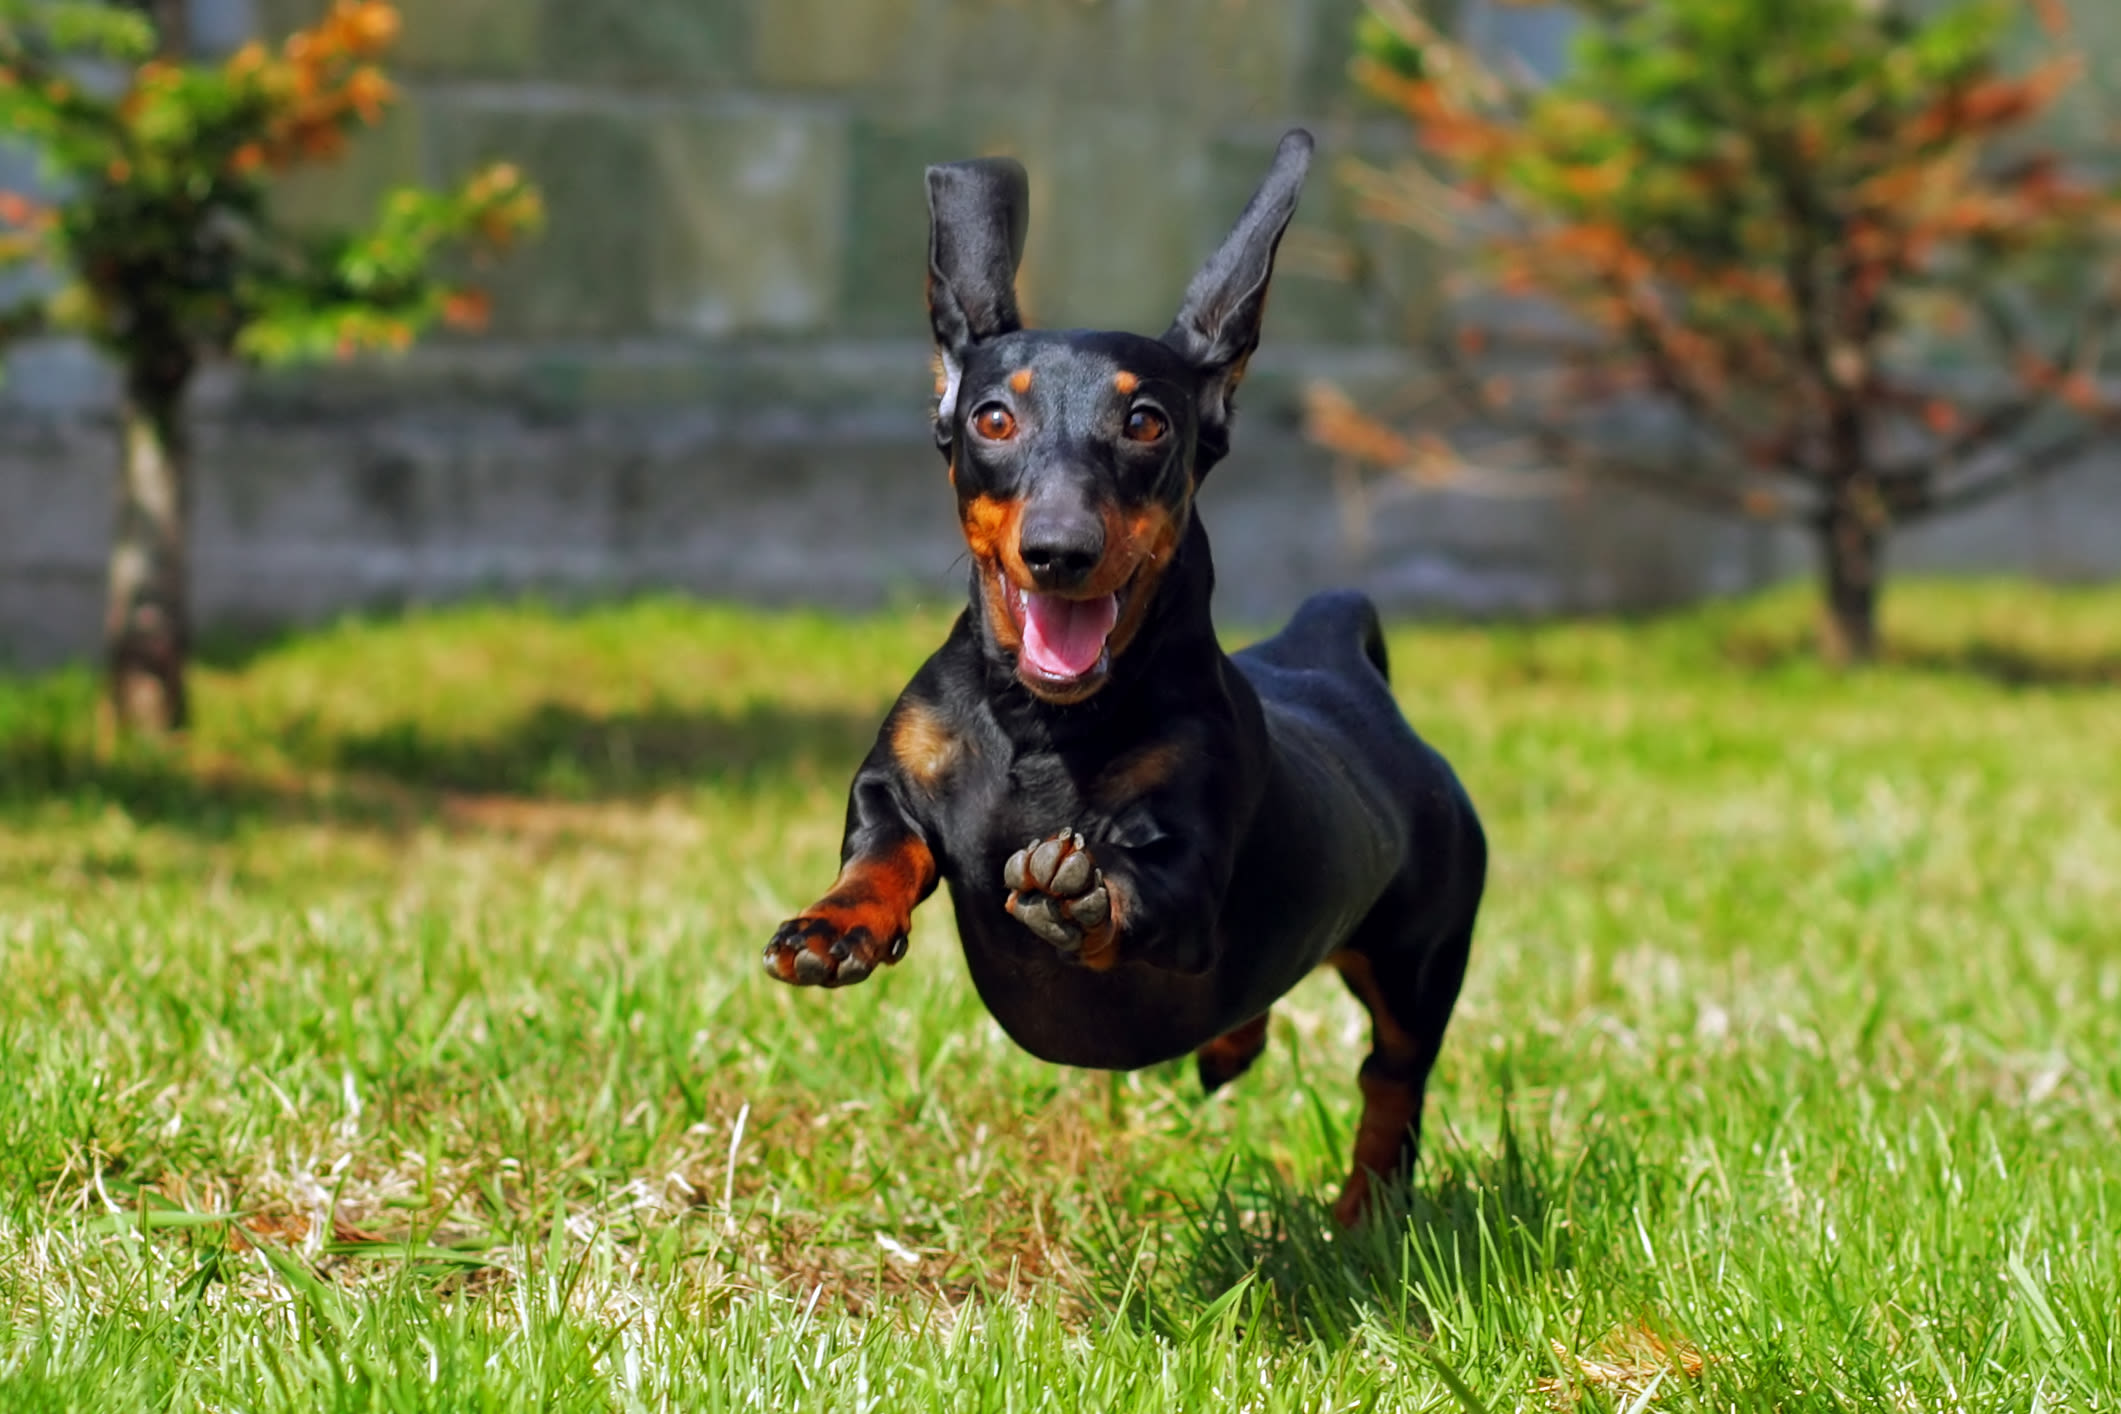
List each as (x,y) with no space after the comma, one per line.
(1126,383)
(1020,380)
(995,423)
(1146,425)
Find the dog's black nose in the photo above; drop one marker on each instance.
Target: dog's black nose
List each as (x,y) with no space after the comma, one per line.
(1060,547)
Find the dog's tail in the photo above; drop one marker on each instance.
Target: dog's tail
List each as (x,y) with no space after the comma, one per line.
(1323,630)
(1373,638)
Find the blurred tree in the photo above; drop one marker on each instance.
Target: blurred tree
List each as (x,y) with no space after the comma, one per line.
(159,245)
(1820,239)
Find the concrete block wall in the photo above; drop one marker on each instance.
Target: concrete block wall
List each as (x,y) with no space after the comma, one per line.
(712,371)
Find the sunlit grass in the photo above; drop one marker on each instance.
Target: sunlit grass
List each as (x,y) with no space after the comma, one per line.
(400,1043)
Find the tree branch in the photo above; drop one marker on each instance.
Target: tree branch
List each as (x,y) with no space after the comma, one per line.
(2027,470)
(2079,357)
(1568,453)
(1670,372)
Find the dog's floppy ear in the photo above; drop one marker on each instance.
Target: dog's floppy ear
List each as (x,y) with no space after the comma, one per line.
(977,212)
(1218,325)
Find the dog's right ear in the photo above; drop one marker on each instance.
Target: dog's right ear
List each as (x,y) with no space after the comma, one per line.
(977,212)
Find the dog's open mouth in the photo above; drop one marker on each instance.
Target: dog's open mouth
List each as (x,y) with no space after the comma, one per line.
(1064,640)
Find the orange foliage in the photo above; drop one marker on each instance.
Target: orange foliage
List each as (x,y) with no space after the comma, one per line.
(18,210)
(319,85)
(1332,420)
(468,309)
(1993,104)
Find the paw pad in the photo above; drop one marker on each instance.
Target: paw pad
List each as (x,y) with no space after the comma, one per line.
(1057,891)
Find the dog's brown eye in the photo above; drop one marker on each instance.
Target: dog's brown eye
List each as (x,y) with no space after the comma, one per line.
(994,422)
(1144,425)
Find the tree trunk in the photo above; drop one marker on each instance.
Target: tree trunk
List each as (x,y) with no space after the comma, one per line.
(172,21)
(147,626)
(1851,546)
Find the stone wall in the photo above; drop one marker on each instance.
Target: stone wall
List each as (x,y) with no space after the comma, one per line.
(712,370)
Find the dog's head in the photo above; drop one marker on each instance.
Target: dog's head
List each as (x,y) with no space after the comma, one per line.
(1074,453)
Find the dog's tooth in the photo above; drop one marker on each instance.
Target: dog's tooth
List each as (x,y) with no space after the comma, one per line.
(1044,860)
(1073,876)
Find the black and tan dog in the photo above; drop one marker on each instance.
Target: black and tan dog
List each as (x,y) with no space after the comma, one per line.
(1147,842)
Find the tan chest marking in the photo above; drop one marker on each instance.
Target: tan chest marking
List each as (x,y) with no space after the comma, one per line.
(1138,773)
(923,745)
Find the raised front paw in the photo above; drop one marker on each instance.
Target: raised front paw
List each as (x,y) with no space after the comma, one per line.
(815,951)
(1057,891)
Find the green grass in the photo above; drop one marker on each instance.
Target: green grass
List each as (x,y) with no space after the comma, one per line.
(400,1043)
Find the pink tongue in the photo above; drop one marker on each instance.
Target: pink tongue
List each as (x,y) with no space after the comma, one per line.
(1063,638)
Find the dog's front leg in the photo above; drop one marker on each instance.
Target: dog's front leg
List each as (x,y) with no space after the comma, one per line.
(886,869)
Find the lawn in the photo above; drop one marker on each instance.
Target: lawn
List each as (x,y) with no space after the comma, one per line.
(400,1043)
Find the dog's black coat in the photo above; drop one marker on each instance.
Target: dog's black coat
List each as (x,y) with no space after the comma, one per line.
(1240,818)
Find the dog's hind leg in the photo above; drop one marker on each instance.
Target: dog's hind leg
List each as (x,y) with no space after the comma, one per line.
(1408,990)
(1231,1054)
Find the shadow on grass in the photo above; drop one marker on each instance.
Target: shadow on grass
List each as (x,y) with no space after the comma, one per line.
(165,787)
(1996,661)
(405,773)
(556,750)
(1471,1225)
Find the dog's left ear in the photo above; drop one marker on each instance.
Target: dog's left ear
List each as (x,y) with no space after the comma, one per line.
(1218,325)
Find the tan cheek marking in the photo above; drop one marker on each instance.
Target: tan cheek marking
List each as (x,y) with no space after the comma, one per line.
(1020,381)
(1151,538)
(990,526)
(1126,383)
(990,534)
(924,745)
